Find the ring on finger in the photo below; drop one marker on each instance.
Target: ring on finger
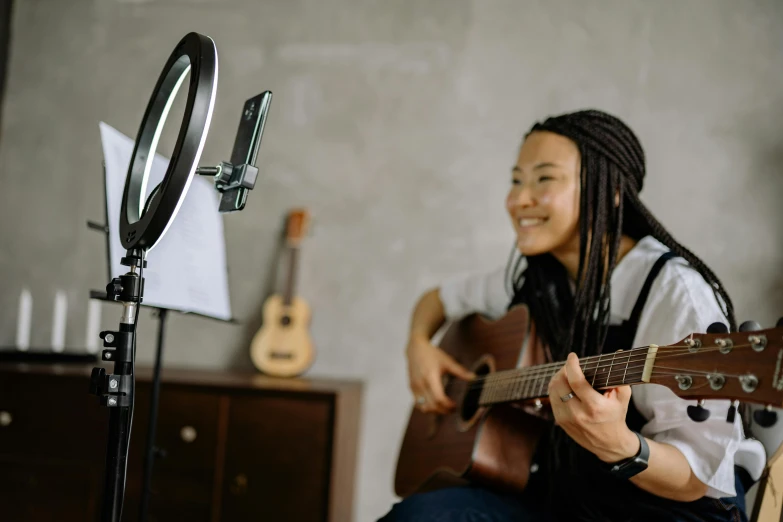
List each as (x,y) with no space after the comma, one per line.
(567,397)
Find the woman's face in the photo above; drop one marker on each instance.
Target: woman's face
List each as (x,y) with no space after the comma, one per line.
(543,201)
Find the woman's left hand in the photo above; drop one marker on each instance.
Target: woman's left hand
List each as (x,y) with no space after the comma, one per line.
(595,421)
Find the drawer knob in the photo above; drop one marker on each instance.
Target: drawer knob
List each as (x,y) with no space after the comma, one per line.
(239,484)
(5,418)
(188,433)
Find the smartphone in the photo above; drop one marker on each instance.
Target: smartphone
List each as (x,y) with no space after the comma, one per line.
(246,143)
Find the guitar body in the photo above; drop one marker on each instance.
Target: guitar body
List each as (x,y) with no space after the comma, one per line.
(282,347)
(500,417)
(489,445)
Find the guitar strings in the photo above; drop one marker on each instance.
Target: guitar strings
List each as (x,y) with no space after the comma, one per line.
(502,395)
(625,357)
(550,369)
(506,398)
(497,396)
(520,376)
(612,383)
(547,367)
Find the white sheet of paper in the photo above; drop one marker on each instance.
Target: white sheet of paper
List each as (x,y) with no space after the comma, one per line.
(186,271)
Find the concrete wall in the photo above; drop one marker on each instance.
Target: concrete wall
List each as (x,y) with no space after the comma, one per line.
(395,123)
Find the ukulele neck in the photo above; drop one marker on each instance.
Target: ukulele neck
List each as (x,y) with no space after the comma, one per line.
(290,282)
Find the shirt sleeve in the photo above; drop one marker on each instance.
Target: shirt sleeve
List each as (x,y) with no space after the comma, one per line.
(680,303)
(484,293)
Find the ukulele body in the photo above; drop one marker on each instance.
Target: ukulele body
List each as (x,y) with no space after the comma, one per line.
(283,346)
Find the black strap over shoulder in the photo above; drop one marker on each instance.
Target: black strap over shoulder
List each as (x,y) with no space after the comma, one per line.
(645,292)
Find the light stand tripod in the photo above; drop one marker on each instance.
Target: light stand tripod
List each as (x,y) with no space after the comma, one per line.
(142,227)
(116,390)
(151,452)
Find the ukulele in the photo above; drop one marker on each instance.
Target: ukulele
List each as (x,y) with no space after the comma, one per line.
(492,435)
(282,347)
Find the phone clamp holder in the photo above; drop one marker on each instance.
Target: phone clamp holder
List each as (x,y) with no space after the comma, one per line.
(227,176)
(235,178)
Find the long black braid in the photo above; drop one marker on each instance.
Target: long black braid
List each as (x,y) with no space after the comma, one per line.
(612,162)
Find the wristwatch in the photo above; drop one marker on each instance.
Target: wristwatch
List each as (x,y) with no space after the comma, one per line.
(629,467)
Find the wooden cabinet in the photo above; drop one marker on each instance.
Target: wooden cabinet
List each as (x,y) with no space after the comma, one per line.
(184,476)
(232,447)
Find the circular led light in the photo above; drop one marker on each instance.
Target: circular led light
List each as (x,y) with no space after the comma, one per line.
(142,224)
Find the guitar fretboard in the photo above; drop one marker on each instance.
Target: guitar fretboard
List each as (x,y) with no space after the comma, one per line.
(601,371)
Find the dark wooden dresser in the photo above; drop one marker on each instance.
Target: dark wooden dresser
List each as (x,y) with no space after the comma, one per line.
(232,446)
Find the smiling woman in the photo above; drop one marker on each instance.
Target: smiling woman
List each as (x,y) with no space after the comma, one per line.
(599,274)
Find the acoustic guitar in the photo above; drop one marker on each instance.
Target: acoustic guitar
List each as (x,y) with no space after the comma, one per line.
(282,347)
(492,435)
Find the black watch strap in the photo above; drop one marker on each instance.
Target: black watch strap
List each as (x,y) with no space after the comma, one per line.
(629,467)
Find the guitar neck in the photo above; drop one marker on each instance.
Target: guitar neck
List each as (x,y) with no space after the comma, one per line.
(601,371)
(290,282)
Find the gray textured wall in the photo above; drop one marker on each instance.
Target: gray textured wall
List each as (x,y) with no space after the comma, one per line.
(396,124)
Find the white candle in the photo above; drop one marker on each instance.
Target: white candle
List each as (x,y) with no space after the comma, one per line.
(24,320)
(59,321)
(93,325)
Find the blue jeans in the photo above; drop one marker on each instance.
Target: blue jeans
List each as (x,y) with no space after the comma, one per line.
(476,504)
(463,504)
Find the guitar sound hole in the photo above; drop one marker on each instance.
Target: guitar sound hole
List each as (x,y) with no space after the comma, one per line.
(285,320)
(470,403)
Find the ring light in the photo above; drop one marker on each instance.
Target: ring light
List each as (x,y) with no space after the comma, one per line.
(195,54)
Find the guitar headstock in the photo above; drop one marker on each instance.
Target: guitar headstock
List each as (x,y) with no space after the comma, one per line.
(296,226)
(745,366)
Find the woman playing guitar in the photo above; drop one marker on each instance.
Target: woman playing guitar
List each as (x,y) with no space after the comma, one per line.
(599,274)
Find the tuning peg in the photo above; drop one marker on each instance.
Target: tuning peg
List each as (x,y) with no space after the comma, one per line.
(749,326)
(698,413)
(766,417)
(732,412)
(717,328)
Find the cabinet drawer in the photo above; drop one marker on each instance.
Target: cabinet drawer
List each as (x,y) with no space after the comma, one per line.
(183,478)
(278,453)
(65,491)
(51,416)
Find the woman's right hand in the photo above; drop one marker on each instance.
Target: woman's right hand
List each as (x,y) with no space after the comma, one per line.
(427,364)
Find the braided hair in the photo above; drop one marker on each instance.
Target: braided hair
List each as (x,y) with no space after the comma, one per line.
(612,162)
